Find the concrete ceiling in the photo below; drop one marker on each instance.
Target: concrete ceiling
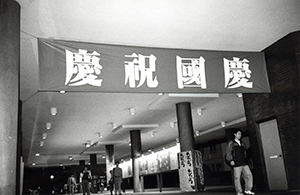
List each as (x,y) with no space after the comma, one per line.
(206,25)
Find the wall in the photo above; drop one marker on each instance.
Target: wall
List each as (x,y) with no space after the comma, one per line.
(283,59)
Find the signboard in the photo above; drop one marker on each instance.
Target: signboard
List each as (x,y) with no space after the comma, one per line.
(191,170)
(94,67)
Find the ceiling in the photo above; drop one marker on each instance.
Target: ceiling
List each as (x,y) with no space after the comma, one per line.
(82,117)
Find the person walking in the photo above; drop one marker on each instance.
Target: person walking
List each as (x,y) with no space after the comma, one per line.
(117,175)
(236,155)
(71,185)
(86,177)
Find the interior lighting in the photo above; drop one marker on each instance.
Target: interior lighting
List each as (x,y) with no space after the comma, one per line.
(44,136)
(71,158)
(33,164)
(88,144)
(41,143)
(48,126)
(62,92)
(53,111)
(199,111)
(223,124)
(152,134)
(114,125)
(132,111)
(239,95)
(173,124)
(37,154)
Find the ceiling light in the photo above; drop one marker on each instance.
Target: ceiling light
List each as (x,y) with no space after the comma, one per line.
(71,158)
(197,133)
(103,156)
(114,125)
(62,92)
(41,143)
(152,134)
(199,111)
(53,111)
(48,125)
(173,124)
(88,144)
(33,164)
(223,124)
(239,95)
(37,154)
(44,136)
(61,164)
(132,111)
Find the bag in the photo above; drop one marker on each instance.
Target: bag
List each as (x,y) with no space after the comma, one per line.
(227,161)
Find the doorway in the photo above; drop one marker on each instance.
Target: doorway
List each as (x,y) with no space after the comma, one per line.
(273,158)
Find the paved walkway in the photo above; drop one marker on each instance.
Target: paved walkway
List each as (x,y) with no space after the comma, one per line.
(209,191)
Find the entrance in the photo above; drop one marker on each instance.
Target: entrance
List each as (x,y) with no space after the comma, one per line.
(273,155)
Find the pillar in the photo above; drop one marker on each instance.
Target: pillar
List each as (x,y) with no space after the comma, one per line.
(185,126)
(81,165)
(9,94)
(159,181)
(93,161)
(191,177)
(94,172)
(81,168)
(110,160)
(136,151)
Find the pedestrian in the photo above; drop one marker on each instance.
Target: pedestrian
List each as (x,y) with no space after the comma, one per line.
(86,178)
(71,185)
(111,182)
(236,155)
(118,175)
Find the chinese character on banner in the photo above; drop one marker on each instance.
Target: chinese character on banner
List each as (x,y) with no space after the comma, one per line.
(83,68)
(191,72)
(137,70)
(237,73)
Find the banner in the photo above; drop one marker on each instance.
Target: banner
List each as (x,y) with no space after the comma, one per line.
(81,66)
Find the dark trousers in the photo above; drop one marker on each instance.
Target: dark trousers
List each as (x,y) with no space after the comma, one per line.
(86,187)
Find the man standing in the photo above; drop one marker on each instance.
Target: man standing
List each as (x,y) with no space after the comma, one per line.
(117,175)
(71,184)
(236,154)
(85,179)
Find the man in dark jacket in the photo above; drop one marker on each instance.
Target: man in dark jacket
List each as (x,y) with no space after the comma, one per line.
(85,176)
(236,154)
